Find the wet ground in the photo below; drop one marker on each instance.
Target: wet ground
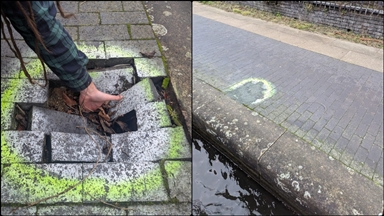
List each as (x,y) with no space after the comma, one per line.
(221,188)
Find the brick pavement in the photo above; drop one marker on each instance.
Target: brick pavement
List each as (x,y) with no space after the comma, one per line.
(334,105)
(145,182)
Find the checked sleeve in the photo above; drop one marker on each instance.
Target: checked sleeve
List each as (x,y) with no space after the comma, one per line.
(64,59)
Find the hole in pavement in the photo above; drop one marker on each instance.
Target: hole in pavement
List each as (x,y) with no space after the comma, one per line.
(127,122)
(47,156)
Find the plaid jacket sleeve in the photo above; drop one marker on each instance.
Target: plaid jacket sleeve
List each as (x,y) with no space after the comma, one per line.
(65,60)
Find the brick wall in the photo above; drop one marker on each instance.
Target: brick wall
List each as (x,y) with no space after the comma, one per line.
(362,20)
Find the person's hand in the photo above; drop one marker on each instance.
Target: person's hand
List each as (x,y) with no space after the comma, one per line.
(91,98)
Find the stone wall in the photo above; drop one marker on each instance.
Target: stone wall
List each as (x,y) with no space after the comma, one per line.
(361,19)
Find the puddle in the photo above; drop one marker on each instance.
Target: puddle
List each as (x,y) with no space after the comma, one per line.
(222,188)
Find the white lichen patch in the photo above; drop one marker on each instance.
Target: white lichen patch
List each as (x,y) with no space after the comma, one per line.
(296,185)
(254,113)
(285,176)
(307,195)
(282,186)
(167,13)
(159,30)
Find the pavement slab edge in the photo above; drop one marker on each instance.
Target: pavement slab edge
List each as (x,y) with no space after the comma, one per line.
(284,163)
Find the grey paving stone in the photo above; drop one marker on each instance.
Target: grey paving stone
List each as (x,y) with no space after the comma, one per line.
(98,6)
(335,154)
(51,179)
(140,146)
(361,130)
(73,32)
(124,182)
(7,110)
(308,125)
(332,123)
(11,193)
(141,93)
(152,115)
(113,81)
(79,210)
(353,144)
(93,49)
(21,91)
(36,70)
(341,144)
(47,120)
(133,6)
(142,32)
(137,17)
(361,155)
(27,145)
(10,67)
(23,47)
(323,134)
(153,67)
(20,211)
(367,141)
(356,165)
(69,7)
(15,34)
(169,209)
(23,183)
(82,19)
(375,153)
(99,32)
(131,48)
(292,118)
(336,133)
(311,134)
(346,158)
(379,168)
(68,147)
(179,180)
(367,171)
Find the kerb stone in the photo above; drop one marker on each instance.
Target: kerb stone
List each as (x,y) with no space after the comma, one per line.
(77,147)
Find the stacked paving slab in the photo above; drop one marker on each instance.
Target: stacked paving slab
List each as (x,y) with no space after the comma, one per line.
(148,171)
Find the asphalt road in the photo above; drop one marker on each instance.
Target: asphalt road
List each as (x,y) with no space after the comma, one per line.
(175,17)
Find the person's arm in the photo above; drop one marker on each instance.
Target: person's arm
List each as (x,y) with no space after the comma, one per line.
(63,58)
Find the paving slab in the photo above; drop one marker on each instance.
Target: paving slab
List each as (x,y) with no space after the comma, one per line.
(7,112)
(169,209)
(10,67)
(152,115)
(79,210)
(28,145)
(113,81)
(179,182)
(22,91)
(142,146)
(97,6)
(153,67)
(137,17)
(23,183)
(21,211)
(69,147)
(47,120)
(141,93)
(93,49)
(124,182)
(97,33)
(131,48)
(133,6)
(52,179)
(142,32)
(23,47)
